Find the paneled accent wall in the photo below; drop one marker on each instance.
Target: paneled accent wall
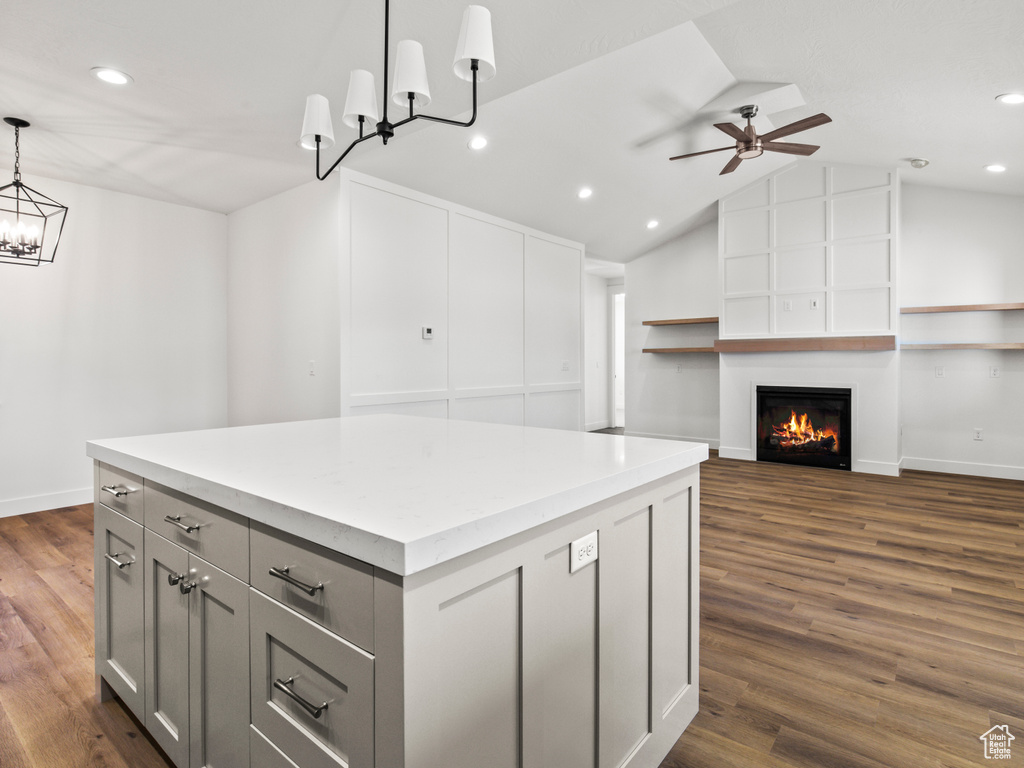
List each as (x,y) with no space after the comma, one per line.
(503,302)
(810,251)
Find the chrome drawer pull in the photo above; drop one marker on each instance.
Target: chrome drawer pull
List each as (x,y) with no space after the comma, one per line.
(121,564)
(282,573)
(177,522)
(118,491)
(282,686)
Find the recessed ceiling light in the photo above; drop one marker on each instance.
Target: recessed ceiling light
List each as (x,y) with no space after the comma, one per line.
(112,76)
(652,224)
(1011,98)
(918,162)
(477,142)
(584,193)
(995,168)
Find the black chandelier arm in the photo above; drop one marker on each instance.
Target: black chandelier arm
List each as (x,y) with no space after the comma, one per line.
(475,66)
(337,162)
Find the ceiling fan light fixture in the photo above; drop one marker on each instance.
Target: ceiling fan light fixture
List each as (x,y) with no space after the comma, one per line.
(1011,98)
(749,151)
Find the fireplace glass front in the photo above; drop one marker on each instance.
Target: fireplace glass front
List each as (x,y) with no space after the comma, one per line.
(804,425)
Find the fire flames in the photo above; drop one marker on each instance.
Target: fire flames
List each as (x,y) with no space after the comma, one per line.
(799,431)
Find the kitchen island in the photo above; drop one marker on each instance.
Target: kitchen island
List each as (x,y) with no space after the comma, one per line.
(399,592)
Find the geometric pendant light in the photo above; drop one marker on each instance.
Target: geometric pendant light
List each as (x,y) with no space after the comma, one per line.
(30,222)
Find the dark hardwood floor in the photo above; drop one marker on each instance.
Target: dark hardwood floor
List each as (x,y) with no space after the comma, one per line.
(846,620)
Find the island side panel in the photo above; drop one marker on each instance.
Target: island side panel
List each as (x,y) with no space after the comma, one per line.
(509,658)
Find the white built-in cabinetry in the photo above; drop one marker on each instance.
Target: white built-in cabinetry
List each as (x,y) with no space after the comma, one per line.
(503,304)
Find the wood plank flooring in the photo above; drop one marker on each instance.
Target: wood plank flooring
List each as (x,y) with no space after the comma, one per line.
(853,620)
(846,620)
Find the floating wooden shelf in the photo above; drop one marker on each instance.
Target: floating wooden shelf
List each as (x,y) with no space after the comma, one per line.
(961,308)
(679,350)
(809,344)
(970,345)
(683,321)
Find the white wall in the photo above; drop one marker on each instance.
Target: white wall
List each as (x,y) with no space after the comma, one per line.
(597,352)
(283,307)
(673,395)
(124,334)
(373,264)
(962,248)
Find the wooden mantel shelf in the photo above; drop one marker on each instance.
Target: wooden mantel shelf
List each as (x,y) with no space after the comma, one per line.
(683,321)
(961,308)
(809,344)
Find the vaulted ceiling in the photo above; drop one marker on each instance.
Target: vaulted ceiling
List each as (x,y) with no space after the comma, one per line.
(596,93)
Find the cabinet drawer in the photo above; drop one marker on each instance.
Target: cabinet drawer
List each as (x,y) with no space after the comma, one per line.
(121,491)
(264,754)
(292,653)
(217,535)
(343,587)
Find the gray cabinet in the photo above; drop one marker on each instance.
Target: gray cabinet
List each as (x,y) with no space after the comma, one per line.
(118,574)
(197,673)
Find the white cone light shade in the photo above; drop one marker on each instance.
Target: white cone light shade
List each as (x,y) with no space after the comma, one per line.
(317,121)
(475,42)
(410,75)
(361,99)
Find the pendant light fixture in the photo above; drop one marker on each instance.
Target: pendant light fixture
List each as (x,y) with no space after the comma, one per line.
(30,222)
(474,61)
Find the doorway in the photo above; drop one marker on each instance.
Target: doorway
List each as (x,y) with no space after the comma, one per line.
(618,335)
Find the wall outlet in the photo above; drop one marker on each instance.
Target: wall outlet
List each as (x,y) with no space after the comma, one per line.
(679,369)
(978,434)
(428,333)
(814,303)
(940,372)
(583,552)
(994,372)
(787,305)
(565,365)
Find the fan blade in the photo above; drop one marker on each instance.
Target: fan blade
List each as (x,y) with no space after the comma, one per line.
(790,148)
(731,166)
(705,152)
(733,130)
(799,125)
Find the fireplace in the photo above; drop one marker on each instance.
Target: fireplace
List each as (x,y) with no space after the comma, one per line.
(804,425)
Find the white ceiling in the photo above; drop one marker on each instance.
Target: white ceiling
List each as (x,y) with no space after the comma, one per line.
(588,92)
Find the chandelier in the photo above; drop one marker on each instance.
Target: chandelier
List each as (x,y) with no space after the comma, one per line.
(474,61)
(30,222)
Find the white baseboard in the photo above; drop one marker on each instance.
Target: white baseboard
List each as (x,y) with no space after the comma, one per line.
(711,443)
(885,468)
(25,506)
(963,468)
(745,454)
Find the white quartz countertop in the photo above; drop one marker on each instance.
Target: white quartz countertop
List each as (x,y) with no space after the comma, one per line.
(400,492)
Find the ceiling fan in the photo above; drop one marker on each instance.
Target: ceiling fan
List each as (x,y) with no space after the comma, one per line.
(750,145)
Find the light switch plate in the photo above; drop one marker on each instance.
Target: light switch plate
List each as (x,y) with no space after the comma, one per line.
(583,552)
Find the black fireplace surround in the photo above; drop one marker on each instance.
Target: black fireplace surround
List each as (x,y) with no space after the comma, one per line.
(804,425)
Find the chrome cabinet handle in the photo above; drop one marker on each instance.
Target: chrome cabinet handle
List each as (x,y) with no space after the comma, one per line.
(121,564)
(176,521)
(118,491)
(282,686)
(310,589)
(177,579)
